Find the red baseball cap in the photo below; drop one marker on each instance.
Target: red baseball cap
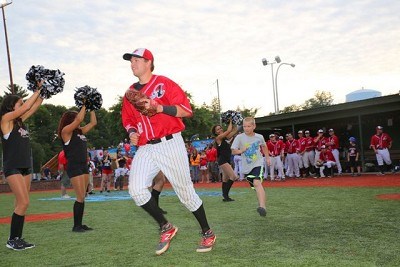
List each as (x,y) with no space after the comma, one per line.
(139,52)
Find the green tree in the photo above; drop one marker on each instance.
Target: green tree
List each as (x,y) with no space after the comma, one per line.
(18,90)
(115,121)
(38,156)
(247,112)
(291,108)
(320,99)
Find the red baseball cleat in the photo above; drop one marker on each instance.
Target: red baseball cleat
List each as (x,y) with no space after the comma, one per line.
(207,241)
(168,231)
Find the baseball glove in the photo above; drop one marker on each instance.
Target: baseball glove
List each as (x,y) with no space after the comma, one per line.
(142,102)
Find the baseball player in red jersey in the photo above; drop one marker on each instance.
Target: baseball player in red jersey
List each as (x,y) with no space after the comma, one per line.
(333,145)
(292,148)
(301,154)
(309,154)
(319,141)
(326,161)
(276,154)
(381,143)
(154,124)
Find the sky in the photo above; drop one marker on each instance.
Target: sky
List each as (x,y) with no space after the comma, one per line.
(338,46)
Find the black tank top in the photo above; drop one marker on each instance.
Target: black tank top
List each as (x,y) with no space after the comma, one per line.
(224,152)
(17,149)
(76,150)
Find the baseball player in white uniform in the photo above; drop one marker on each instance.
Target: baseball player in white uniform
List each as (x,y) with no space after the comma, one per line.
(381,143)
(152,112)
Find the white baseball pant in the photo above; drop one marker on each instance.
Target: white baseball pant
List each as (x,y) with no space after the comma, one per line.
(383,155)
(308,159)
(170,157)
(335,153)
(276,164)
(293,165)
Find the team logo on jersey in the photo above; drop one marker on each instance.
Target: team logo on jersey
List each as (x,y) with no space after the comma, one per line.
(82,137)
(140,128)
(158,91)
(24,133)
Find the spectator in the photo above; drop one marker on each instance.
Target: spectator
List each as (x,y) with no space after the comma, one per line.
(195,165)
(62,174)
(203,167)
(120,173)
(92,169)
(212,165)
(46,173)
(106,173)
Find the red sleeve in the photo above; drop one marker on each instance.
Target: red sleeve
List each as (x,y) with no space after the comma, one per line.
(373,141)
(177,96)
(337,141)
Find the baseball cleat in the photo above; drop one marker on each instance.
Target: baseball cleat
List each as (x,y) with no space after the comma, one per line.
(86,228)
(207,241)
(262,211)
(78,229)
(168,231)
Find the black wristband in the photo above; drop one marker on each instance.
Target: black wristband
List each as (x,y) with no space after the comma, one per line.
(131,130)
(170,110)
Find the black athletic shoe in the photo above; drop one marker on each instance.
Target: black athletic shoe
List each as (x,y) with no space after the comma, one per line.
(18,244)
(26,244)
(228,199)
(78,229)
(262,211)
(86,228)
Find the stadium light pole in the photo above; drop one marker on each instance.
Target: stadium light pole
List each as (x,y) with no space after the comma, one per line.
(4,4)
(276,82)
(265,63)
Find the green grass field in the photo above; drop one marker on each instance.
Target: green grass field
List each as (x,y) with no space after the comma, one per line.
(329,226)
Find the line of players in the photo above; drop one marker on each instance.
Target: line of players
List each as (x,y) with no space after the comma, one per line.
(304,156)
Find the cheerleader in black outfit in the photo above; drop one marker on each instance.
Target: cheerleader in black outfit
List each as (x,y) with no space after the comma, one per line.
(17,159)
(224,154)
(75,147)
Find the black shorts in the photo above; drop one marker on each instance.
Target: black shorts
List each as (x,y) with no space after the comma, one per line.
(22,171)
(256,173)
(75,169)
(353,162)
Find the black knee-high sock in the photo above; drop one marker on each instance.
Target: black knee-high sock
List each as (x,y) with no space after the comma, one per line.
(224,189)
(152,208)
(381,168)
(228,187)
(79,207)
(156,195)
(390,167)
(17,225)
(200,215)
